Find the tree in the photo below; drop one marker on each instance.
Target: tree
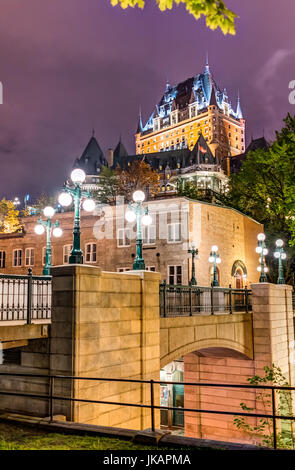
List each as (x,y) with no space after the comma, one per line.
(109,186)
(263,430)
(43,201)
(139,175)
(265,190)
(9,217)
(215,11)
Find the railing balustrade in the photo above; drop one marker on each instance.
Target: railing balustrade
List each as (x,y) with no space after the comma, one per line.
(25,297)
(179,300)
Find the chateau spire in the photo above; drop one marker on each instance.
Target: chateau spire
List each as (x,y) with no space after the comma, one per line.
(207,67)
(139,125)
(167,86)
(239,113)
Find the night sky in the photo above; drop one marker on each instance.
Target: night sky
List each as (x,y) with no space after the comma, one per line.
(68,66)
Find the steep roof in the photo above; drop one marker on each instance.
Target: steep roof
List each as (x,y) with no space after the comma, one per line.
(200,89)
(120,151)
(237,160)
(178,158)
(92,159)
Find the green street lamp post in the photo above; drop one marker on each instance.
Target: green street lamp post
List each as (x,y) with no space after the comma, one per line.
(142,217)
(66,198)
(215,259)
(51,228)
(280,255)
(194,252)
(262,251)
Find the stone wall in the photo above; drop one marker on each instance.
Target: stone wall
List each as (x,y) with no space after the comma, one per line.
(273,343)
(105,325)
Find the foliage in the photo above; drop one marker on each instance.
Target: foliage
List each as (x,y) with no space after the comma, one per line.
(189,189)
(43,201)
(9,217)
(264,189)
(139,175)
(215,11)
(109,186)
(263,430)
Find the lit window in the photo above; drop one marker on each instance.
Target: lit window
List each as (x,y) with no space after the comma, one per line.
(174,232)
(2,259)
(90,252)
(175,275)
(123,270)
(66,253)
(123,237)
(149,234)
(29,256)
(17,258)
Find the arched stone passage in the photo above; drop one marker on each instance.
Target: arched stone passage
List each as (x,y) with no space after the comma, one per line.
(238,264)
(219,348)
(184,335)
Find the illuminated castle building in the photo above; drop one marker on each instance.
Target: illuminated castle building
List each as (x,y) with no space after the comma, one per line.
(191,108)
(193,134)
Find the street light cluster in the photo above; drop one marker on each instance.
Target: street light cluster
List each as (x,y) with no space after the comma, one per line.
(278,254)
(137,212)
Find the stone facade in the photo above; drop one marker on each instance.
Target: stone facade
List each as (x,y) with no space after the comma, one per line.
(205,224)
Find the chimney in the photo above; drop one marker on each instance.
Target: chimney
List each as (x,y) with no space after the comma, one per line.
(110,157)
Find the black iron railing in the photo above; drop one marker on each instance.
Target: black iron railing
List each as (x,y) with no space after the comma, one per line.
(179,300)
(25,298)
(51,397)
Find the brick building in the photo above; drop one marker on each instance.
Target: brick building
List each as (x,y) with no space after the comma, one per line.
(108,241)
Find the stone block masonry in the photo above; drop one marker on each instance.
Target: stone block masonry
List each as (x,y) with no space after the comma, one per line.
(105,325)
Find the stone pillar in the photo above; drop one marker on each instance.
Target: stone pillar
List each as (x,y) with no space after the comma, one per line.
(273,338)
(273,329)
(105,325)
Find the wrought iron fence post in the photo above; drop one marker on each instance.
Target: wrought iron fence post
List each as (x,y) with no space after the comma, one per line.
(29,297)
(274,419)
(51,379)
(152,406)
(190,300)
(212,299)
(246,299)
(230,299)
(164,297)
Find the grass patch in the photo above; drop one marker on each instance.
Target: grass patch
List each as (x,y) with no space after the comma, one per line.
(20,437)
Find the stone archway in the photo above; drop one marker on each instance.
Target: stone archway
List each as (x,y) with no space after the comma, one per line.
(239,273)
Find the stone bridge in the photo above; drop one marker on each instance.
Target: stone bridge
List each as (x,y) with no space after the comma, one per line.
(107,325)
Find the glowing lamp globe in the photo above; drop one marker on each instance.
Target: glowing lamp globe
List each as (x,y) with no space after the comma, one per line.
(279,243)
(214,248)
(261,237)
(88,205)
(218,260)
(57,232)
(283,256)
(276,254)
(48,211)
(39,229)
(130,216)
(259,268)
(146,219)
(138,196)
(211,259)
(266,269)
(258,249)
(65,199)
(265,251)
(78,175)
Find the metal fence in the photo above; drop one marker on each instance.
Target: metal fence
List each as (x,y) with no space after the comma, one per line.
(179,300)
(25,297)
(274,392)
